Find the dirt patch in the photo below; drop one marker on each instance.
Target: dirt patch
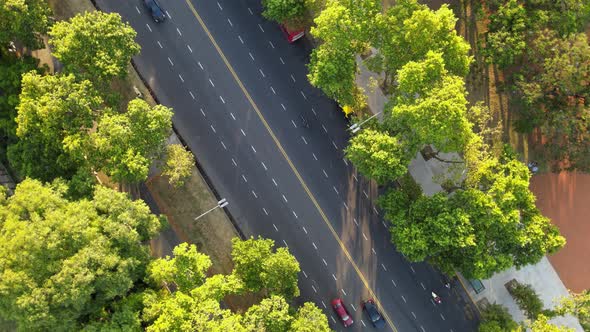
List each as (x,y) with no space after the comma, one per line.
(210,233)
(564,198)
(65,9)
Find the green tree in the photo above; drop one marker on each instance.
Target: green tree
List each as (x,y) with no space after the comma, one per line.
(186,269)
(55,114)
(66,263)
(332,67)
(12,69)
(290,12)
(271,315)
(418,78)
(506,37)
(495,206)
(378,155)
(178,166)
(527,299)
(541,324)
(259,268)
(279,274)
(248,257)
(126,144)
(24,21)
(188,312)
(437,118)
(418,30)
(554,94)
(577,305)
(495,318)
(310,318)
(94,45)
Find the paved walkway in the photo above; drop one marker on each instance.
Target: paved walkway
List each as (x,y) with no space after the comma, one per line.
(541,276)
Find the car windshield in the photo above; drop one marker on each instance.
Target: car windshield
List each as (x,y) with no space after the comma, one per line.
(345,317)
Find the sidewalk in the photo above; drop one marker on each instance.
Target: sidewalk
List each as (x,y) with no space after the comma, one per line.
(541,276)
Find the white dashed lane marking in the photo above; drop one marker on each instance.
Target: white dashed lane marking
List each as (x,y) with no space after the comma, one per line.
(178,30)
(137,10)
(260,26)
(148,26)
(243,177)
(219,5)
(240,38)
(160,44)
(230,23)
(171,63)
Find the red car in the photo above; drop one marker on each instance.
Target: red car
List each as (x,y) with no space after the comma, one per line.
(292,36)
(338,306)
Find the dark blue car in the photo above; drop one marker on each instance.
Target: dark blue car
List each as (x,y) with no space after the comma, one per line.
(155,10)
(373,313)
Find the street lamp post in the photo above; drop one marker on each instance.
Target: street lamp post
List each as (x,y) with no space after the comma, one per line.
(221,204)
(357,126)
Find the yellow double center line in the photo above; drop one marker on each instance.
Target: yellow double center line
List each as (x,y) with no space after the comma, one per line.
(280,147)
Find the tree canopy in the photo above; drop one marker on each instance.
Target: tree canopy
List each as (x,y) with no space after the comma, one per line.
(438,117)
(260,268)
(126,143)
(24,21)
(418,30)
(378,155)
(55,114)
(194,305)
(486,227)
(332,65)
(11,70)
(66,263)
(555,98)
(95,45)
(178,165)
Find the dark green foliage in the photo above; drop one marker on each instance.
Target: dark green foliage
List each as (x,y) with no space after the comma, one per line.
(527,299)
(495,318)
(11,70)
(54,115)
(24,21)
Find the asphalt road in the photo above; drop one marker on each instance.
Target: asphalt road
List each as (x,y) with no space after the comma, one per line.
(240,114)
